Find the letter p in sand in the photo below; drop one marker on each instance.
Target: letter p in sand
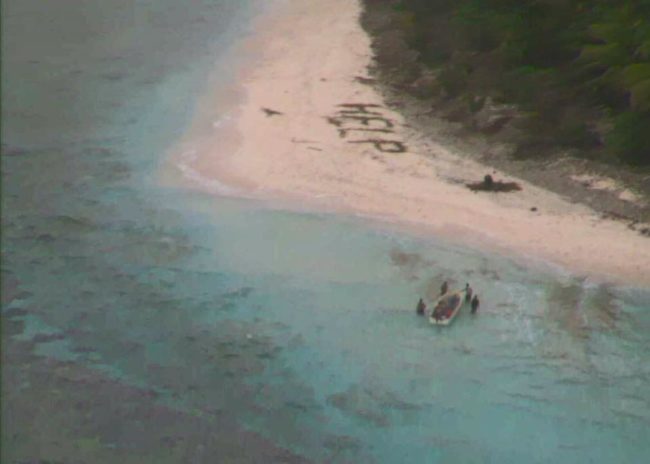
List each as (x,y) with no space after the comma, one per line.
(386,146)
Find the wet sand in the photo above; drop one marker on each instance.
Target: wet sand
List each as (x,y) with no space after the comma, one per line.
(304,126)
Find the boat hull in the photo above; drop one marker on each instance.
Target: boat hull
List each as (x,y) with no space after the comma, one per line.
(447,308)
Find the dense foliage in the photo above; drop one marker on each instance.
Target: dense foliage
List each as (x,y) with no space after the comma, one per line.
(580,69)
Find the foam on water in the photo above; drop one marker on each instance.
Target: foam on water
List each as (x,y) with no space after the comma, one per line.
(213,186)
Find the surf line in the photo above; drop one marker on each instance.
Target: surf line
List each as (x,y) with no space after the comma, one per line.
(359,119)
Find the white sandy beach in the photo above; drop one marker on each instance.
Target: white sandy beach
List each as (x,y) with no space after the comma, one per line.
(336,146)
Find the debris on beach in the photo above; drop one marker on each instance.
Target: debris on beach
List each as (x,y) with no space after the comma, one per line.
(643,228)
(364,80)
(490,185)
(270,112)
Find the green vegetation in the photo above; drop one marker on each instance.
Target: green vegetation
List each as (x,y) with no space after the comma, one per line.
(579,70)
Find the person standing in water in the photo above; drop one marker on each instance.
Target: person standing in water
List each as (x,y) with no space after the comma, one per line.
(444,288)
(421,308)
(475,304)
(468,293)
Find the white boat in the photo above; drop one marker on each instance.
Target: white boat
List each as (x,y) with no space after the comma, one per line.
(447,308)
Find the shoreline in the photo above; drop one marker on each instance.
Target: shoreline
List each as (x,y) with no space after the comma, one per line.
(304,127)
(615,191)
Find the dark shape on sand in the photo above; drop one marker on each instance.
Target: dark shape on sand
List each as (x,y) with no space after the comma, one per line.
(386,146)
(366,120)
(534,208)
(359,107)
(632,223)
(270,112)
(490,185)
(334,121)
(364,80)
(344,132)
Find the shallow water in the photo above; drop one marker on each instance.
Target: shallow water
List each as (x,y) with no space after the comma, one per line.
(298,327)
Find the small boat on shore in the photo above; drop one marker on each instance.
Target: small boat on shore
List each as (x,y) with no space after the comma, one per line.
(447,308)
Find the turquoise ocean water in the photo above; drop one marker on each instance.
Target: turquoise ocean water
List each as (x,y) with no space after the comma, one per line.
(298,326)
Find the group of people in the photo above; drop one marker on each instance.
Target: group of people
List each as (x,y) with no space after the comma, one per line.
(470,297)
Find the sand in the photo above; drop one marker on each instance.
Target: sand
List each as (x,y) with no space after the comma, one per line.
(292,133)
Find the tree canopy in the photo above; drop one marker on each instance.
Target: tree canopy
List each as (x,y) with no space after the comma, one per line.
(581,68)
